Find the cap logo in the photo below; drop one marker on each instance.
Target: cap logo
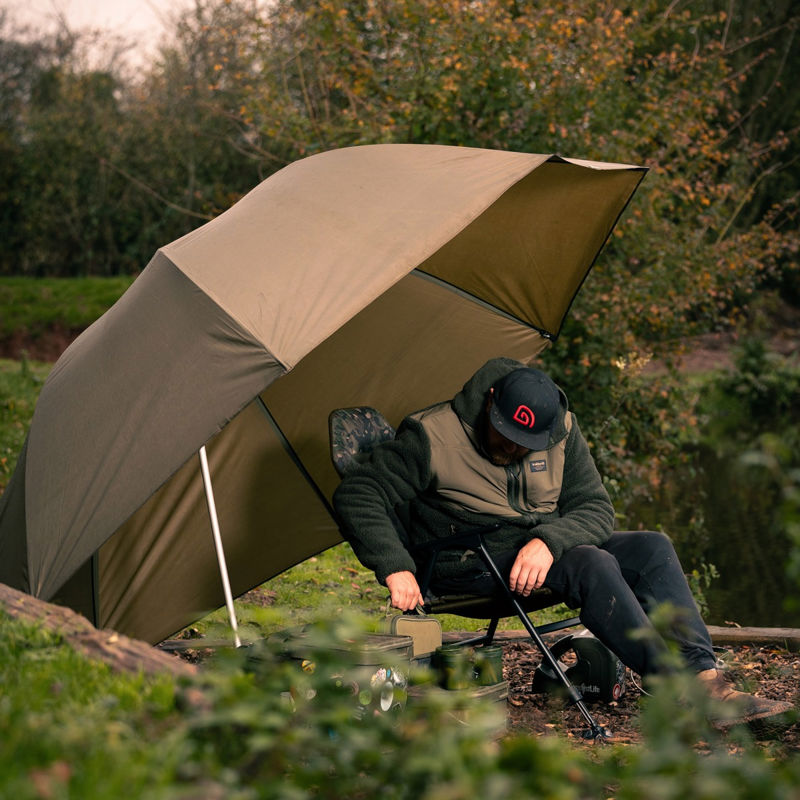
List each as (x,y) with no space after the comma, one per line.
(525,416)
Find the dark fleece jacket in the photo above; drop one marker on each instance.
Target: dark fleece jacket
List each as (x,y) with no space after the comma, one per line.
(389,508)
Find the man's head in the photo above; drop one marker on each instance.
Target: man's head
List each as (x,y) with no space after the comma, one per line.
(521,411)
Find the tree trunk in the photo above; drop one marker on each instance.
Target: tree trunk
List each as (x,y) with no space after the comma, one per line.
(121,653)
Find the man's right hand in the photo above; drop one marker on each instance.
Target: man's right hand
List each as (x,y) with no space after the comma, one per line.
(405,590)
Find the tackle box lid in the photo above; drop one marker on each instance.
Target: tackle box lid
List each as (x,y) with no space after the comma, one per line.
(368,649)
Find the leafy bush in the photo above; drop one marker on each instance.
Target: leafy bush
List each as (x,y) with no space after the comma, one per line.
(761,395)
(718,507)
(257,725)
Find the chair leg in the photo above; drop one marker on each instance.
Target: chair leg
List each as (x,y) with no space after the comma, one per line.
(485,639)
(491,630)
(595,730)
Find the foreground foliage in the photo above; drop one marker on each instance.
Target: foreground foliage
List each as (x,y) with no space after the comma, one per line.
(255,725)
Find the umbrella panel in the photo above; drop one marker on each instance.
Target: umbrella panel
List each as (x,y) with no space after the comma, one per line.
(413,346)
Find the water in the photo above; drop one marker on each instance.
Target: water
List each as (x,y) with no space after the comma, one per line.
(728,516)
(747,544)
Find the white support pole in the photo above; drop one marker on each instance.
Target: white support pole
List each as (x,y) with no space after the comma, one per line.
(223,569)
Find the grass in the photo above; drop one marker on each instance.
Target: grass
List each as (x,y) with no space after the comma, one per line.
(34,305)
(71,727)
(20,383)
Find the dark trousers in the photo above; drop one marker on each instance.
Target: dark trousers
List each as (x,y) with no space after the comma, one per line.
(617,586)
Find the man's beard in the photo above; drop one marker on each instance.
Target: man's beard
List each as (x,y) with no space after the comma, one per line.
(498,460)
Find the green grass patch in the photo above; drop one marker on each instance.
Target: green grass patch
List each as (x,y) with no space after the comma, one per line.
(20,383)
(34,305)
(72,728)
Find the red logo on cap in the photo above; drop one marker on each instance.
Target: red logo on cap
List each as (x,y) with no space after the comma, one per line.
(525,416)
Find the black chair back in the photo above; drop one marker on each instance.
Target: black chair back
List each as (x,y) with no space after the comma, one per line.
(354,432)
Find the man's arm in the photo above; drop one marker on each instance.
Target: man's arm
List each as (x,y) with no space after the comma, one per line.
(365,501)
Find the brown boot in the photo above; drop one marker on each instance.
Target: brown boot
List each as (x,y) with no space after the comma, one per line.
(740,708)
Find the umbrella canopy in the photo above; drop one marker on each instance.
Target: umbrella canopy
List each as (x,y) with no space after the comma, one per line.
(381,275)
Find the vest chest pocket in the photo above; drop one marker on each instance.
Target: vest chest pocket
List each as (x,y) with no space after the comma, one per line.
(464,477)
(539,478)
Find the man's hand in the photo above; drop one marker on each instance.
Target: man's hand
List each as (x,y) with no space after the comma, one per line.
(530,568)
(405,590)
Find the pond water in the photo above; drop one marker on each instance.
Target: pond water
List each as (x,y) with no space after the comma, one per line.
(740,532)
(748,545)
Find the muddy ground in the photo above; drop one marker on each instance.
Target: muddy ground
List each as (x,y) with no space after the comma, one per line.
(767,671)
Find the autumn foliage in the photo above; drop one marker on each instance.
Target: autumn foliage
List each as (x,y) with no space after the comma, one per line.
(660,87)
(698,92)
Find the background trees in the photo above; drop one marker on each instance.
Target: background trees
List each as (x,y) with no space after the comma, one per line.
(101,166)
(115,162)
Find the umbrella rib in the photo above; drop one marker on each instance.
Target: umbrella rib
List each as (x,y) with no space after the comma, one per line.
(292,453)
(474,299)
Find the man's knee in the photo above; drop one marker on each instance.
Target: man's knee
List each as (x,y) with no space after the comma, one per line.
(655,540)
(583,573)
(586,563)
(636,550)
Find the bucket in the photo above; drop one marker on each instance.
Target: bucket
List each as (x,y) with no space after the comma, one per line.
(488,665)
(454,667)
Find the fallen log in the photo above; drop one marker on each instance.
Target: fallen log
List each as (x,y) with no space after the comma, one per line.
(120,652)
(784,638)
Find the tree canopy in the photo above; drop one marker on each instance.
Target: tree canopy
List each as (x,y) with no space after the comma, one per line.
(100,166)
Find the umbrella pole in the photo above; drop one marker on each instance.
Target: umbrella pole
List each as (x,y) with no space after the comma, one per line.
(223,569)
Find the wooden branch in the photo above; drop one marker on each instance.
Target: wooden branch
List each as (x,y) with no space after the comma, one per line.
(783,638)
(152,192)
(120,652)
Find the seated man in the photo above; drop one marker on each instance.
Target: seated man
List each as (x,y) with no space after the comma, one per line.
(507,449)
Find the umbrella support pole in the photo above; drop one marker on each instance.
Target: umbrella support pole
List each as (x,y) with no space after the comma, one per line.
(223,569)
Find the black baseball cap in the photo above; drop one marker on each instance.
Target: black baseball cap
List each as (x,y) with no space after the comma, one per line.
(525,407)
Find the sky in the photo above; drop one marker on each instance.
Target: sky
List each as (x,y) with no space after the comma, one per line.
(138,20)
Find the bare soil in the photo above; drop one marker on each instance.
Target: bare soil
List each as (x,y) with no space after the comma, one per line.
(765,671)
(46,346)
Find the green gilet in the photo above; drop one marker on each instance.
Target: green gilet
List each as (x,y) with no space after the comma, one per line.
(462,476)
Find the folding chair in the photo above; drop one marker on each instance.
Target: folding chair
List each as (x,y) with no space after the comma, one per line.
(353,433)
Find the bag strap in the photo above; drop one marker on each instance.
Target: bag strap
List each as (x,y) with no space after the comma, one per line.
(419,610)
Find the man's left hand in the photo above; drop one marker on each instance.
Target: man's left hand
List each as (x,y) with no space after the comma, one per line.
(530,567)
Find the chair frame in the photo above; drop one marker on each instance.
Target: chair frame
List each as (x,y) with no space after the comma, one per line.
(507,604)
(475,540)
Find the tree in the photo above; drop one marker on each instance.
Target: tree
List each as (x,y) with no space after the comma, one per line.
(648,84)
